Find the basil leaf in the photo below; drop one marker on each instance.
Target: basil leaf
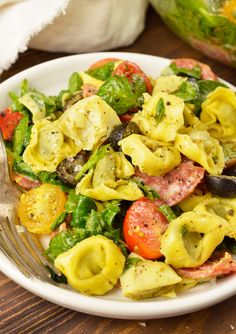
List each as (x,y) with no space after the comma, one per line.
(104,72)
(60,219)
(83,208)
(160,110)
(93,160)
(20,133)
(195,72)
(75,82)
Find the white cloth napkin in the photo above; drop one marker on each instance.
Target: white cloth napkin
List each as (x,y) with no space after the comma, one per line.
(73,26)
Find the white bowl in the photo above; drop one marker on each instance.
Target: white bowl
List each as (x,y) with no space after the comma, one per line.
(50,78)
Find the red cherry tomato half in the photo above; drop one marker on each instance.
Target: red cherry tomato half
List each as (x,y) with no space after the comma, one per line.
(207,73)
(8,121)
(143,227)
(102,62)
(128,69)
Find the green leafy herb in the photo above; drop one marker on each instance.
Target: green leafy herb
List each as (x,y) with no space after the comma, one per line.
(132,261)
(75,82)
(20,133)
(60,219)
(196,91)
(62,242)
(56,278)
(168,212)
(104,72)
(82,210)
(122,95)
(195,72)
(160,110)
(148,191)
(23,168)
(46,177)
(93,160)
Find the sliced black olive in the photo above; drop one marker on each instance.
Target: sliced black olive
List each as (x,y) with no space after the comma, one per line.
(222,185)
(230,171)
(69,167)
(121,131)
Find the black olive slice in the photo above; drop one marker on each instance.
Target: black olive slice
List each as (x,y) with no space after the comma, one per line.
(221,185)
(121,131)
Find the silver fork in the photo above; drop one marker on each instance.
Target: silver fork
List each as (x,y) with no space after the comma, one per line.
(15,241)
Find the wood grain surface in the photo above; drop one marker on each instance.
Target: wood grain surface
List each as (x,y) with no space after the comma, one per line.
(23,312)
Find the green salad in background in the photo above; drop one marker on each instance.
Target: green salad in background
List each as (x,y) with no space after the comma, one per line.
(207,25)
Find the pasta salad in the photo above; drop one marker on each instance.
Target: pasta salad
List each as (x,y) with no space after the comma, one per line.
(133,178)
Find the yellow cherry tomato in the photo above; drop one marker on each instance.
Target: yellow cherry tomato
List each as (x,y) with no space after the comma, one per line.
(39,207)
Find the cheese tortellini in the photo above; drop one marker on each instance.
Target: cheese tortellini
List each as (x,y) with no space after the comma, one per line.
(152,157)
(110,180)
(89,122)
(199,146)
(157,278)
(48,146)
(172,120)
(92,266)
(167,84)
(224,208)
(191,238)
(219,114)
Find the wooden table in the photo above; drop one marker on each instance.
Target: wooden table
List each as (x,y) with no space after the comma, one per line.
(23,312)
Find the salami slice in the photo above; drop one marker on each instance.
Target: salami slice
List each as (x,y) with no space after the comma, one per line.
(177,184)
(207,73)
(223,266)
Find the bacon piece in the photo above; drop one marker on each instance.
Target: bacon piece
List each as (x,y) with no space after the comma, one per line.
(189,63)
(88,90)
(177,184)
(222,266)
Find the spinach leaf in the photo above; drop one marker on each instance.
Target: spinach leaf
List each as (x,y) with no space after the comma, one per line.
(83,208)
(148,191)
(20,133)
(122,95)
(160,110)
(60,219)
(132,261)
(46,177)
(195,72)
(62,242)
(75,82)
(196,91)
(93,160)
(104,72)
(23,168)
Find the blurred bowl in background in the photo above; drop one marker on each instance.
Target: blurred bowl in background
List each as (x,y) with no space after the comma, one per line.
(207,25)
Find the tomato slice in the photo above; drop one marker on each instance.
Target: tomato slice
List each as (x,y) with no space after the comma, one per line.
(207,73)
(40,207)
(128,69)
(102,62)
(143,227)
(8,121)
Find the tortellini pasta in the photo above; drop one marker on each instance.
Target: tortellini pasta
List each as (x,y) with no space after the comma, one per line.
(157,279)
(152,157)
(191,238)
(189,203)
(199,146)
(92,266)
(48,146)
(34,102)
(191,120)
(88,79)
(167,84)
(172,119)
(224,208)
(110,180)
(89,122)
(219,114)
